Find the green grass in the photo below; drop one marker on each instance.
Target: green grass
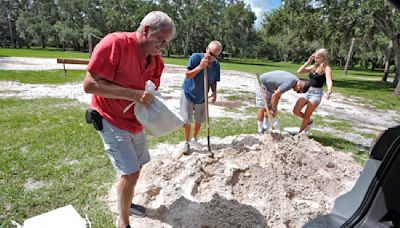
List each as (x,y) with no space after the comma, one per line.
(337,124)
(42,77)
(340,144)
(47,141)
(368,135)
(368,87)
(42,53)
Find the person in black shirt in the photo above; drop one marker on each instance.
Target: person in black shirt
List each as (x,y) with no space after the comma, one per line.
(319,73)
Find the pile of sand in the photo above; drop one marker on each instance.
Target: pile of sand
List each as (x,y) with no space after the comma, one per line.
(275,180)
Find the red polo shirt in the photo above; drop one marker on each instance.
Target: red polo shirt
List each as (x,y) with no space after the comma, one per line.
(117,59)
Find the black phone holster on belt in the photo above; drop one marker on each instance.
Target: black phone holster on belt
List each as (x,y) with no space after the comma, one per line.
(94,117)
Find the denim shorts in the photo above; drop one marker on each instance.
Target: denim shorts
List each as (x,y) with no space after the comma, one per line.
(126,151)
(314,95)
(189,108)
(260,100)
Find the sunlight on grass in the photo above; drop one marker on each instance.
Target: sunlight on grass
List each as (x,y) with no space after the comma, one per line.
(42,77)
(42,53)
(48,141)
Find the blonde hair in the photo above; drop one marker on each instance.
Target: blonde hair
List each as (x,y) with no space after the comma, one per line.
(321,68)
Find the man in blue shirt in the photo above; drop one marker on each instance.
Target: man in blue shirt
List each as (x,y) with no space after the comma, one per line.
(192,97)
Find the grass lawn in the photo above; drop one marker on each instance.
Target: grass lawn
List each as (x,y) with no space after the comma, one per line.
(42,53)
(42,77)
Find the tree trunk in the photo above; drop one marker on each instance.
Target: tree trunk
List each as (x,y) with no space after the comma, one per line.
(13,44)
(386,70)
(186,39)
(396,48)
(349,55)
(90,44)
(42,42)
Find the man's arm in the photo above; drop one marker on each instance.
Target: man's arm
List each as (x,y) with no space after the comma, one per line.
(203,64)
(274,101)
(214,92)
(97,85)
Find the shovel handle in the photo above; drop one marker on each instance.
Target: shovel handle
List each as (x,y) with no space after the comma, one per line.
(206,109)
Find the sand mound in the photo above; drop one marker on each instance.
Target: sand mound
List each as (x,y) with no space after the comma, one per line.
(275,180)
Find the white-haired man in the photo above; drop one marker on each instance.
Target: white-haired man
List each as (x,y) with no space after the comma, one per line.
(116,75)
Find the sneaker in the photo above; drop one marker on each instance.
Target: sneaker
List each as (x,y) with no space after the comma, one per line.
(186,149)
(196,144)
(117,223)
(137,210)
(261,132)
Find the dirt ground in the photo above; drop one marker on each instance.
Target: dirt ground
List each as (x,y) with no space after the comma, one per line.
(276,180)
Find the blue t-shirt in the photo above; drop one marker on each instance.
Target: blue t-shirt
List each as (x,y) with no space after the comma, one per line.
(194,87)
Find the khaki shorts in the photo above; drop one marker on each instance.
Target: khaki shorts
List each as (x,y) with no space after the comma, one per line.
(189,108)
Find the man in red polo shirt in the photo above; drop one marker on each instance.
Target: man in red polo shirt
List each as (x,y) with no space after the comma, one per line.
(116,75)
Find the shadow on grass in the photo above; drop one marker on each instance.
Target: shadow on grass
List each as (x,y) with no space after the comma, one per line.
(341,144)
(364,85)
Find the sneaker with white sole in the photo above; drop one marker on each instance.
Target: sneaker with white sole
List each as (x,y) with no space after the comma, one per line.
(137,210)
(186,149)
(196,144)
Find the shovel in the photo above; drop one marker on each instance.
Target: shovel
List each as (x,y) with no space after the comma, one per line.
(206,107)
(265,101)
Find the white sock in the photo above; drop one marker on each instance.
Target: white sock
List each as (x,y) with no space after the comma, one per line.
(276,124)
(266,123)
(260,125)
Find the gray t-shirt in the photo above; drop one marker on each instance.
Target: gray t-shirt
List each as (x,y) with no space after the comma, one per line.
(278,79)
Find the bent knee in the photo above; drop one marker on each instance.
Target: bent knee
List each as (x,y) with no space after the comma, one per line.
(131,178)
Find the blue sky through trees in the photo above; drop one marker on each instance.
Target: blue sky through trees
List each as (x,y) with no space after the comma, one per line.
(259,7)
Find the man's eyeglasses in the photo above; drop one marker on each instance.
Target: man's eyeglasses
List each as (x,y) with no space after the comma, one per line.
(212,54)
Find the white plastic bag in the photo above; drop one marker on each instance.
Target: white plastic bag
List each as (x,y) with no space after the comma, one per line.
(157,119)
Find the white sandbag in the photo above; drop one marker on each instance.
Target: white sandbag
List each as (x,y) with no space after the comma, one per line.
(157,119)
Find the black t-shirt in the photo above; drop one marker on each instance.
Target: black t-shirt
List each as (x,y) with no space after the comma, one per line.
(317,80)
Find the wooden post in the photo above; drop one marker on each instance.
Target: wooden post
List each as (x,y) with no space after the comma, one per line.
(90,45)
(349,55)
(13,44)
